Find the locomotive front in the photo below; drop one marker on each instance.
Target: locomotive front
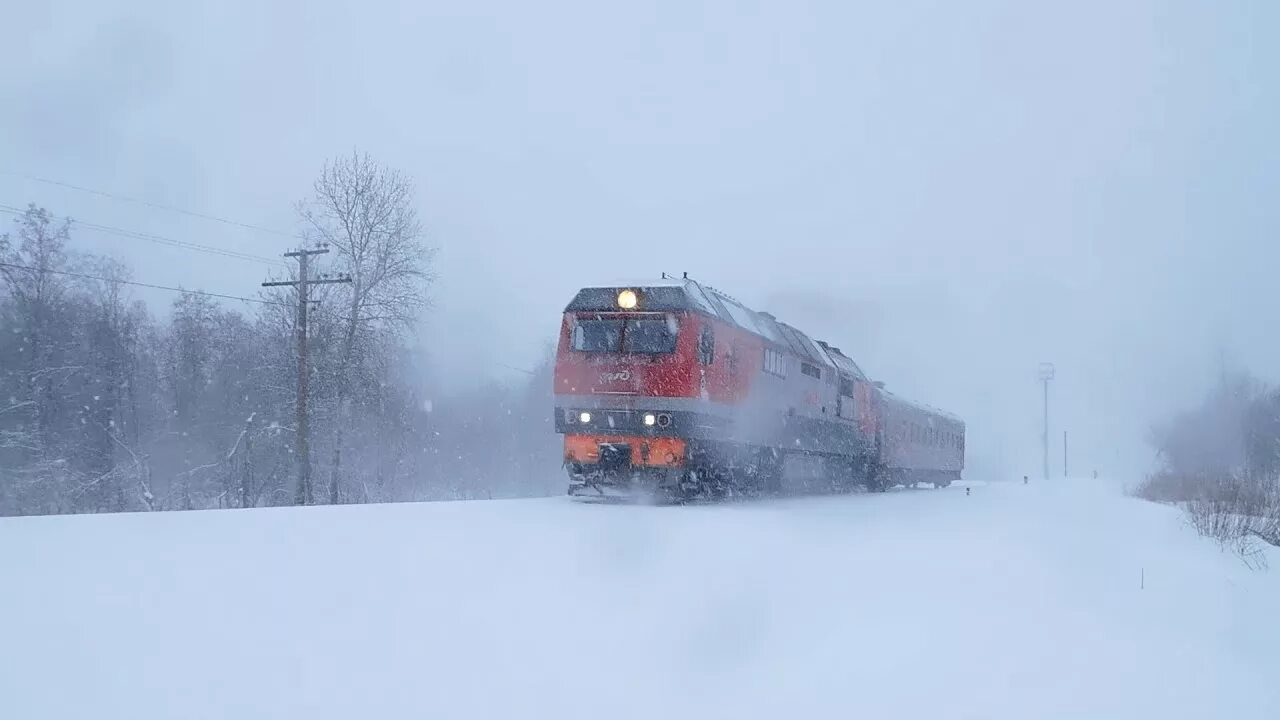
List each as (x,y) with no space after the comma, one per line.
(627,386)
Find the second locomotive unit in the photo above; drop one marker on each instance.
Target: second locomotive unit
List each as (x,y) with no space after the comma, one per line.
(674,389)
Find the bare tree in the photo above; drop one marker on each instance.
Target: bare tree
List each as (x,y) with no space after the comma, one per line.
(29,266)
(111,336)
(30,271)
(364,212)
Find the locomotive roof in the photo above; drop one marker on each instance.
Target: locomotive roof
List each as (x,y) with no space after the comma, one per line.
(671,294)
(928,409)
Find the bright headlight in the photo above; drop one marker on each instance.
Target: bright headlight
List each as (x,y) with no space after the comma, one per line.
(650,418)
(584,417)
(627,299)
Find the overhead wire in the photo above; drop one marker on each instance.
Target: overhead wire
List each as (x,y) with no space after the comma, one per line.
(150,237)
(118,281)
(153,204)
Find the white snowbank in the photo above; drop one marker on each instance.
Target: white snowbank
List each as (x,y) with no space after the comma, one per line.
(1016,602)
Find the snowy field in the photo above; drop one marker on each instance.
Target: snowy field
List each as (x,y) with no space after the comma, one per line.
(1016,602)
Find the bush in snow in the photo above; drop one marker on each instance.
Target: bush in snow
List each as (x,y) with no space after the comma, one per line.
(1221,463)
(1239,512)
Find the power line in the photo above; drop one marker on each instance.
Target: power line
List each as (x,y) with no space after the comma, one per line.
(513,367)
(149,203)
(149,237)
(146,285)
(135,234)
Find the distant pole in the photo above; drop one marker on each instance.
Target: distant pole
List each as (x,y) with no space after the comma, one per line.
(302,446)
(1064,453)
(1046,374)
(1046,428)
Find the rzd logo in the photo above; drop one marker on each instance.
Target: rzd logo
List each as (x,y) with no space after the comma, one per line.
(613,377)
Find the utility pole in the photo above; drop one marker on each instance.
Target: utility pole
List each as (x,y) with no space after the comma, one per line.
(302,440)
(1046,374)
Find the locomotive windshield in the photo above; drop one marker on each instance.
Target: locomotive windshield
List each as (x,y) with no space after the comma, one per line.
(597,335)
(648,334)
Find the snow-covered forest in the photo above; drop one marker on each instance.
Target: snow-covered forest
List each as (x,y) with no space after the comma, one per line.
(1220,461)
(107,404)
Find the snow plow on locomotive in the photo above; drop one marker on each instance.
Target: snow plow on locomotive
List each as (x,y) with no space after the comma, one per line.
(676,391)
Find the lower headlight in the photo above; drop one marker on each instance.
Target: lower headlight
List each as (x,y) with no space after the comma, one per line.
(584,417)
(650,419)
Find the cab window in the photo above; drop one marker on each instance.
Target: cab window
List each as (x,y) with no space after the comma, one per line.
(650,335)
(597,335)
(707,346)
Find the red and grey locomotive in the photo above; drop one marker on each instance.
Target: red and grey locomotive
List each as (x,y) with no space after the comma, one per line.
(675,389)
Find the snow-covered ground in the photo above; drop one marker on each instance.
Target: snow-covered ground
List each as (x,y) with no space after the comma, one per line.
(1015,602)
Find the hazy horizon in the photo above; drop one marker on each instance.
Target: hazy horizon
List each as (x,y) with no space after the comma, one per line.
(952,194)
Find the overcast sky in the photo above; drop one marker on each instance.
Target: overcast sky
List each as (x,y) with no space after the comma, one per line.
(951,192)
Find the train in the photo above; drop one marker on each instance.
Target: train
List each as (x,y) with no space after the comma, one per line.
(672,390)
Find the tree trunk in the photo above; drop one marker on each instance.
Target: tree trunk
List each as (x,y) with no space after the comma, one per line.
(344,385)
(337,463)
(246,479)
